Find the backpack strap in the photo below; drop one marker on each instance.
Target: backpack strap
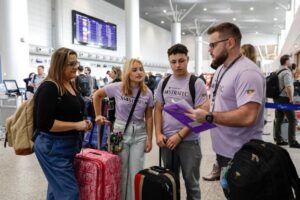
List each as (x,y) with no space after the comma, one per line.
(278,77)
(192,82)
(280,71)
(192,89)
(164,86)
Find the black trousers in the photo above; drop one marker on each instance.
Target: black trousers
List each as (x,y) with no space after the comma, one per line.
(279,117)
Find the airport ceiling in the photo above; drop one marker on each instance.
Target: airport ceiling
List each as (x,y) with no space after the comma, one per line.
(252,16)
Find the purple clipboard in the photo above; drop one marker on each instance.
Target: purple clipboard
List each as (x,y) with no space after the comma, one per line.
(177,111)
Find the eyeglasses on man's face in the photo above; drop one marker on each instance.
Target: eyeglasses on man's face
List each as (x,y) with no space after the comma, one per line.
(73,64)
(214,44)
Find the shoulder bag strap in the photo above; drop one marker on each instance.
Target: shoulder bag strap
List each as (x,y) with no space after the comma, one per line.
(278,77)
(132,109)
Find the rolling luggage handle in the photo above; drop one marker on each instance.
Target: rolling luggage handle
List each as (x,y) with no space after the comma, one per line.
(101,135)
(172,157)
(89,144)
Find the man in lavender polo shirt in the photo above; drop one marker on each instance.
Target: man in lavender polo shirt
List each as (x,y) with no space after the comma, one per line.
(237,94)
(180,147)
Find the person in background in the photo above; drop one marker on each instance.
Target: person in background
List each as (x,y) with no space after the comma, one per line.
(151,82)
(158,77)
(105,79)
(146,79)
(180,147)
(38,78)
(115,74)
(29,88)
(248,50)
(138,136)
(297,84)
(58,117)
(238,87)
(297,73)
(293,67)
(83,83)
(88,71)
(286,96)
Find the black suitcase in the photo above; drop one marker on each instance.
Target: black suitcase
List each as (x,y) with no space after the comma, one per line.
(156,183)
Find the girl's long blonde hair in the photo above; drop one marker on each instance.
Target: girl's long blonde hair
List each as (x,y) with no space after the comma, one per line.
(126,86)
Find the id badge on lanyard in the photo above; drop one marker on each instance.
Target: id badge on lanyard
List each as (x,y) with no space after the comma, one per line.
(218,81)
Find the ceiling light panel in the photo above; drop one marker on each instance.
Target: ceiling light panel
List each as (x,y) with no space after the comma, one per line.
(217,11)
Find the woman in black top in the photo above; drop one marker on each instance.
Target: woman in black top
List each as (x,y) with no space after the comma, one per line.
(29,89)
(58,114)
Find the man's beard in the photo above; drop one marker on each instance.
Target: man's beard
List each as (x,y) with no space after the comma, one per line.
(219,60)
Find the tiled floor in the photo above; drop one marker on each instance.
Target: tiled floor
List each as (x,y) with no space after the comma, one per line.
(22,179)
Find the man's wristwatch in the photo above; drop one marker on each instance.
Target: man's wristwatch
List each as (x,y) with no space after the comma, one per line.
(209,117)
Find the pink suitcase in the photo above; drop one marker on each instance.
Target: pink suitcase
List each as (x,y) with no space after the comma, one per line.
(98,174)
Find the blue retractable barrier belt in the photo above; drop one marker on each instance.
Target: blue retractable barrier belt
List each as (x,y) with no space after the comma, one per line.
(282,106)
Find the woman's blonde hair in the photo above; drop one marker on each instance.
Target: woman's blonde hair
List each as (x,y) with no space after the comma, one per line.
(248,50)
(126,86)
(58,64)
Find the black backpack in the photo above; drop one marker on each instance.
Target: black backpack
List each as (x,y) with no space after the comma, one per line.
(262,171)
(83,84)
(192,82)
(272,85)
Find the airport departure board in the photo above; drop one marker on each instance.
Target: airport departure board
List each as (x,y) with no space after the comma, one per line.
(93,32)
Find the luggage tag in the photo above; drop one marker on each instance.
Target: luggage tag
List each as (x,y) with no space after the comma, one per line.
(223,177)
(224,180)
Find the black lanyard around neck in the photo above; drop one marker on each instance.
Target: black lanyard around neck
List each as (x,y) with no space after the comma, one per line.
(218,81)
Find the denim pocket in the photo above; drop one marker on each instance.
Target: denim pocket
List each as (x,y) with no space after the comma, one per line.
(45,144)
(196,149)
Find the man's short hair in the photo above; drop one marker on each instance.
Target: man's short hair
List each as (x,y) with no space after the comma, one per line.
(41,66)
(178,48)
(80,68)
(283,59)
(227,30)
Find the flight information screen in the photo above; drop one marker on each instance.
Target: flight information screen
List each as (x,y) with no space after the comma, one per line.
(93,32)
